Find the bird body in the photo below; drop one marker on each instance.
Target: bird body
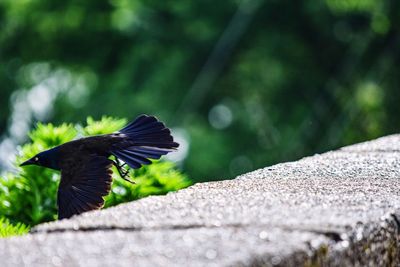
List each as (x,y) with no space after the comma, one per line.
(86,174)
(58,158)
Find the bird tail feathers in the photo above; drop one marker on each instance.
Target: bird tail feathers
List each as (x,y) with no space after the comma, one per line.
(148,138)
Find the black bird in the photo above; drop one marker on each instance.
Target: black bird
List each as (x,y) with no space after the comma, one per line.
(86,168)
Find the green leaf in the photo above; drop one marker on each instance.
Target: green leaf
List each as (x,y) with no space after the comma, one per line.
(104,126)
(7,229)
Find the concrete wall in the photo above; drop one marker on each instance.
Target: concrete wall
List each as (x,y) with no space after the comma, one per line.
(340,208)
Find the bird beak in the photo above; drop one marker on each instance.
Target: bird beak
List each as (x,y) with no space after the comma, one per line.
(28,162)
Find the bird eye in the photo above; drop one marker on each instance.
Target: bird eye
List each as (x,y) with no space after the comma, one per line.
(36,159)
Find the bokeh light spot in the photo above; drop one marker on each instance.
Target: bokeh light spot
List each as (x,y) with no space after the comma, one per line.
(220,116)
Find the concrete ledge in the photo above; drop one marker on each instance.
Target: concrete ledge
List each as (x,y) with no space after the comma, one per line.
(340,208)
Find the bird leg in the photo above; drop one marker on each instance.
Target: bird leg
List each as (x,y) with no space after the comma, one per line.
(122,171)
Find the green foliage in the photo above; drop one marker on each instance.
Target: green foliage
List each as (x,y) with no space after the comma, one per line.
(29,196)
(7,229)
(156,179)
(103,126)
(46,136)
(296,75)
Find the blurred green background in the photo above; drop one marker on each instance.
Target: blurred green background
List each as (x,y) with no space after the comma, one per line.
(244,84)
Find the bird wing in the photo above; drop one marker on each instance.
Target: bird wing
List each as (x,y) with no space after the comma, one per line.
(84,182)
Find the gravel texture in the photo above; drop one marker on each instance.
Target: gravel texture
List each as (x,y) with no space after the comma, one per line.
(340,208)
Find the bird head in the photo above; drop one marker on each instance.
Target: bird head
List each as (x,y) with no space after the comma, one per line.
(33,161)
(48,159)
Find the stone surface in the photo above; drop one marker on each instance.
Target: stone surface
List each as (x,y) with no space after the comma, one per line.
(165,247)
(389,143)
(339,208)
